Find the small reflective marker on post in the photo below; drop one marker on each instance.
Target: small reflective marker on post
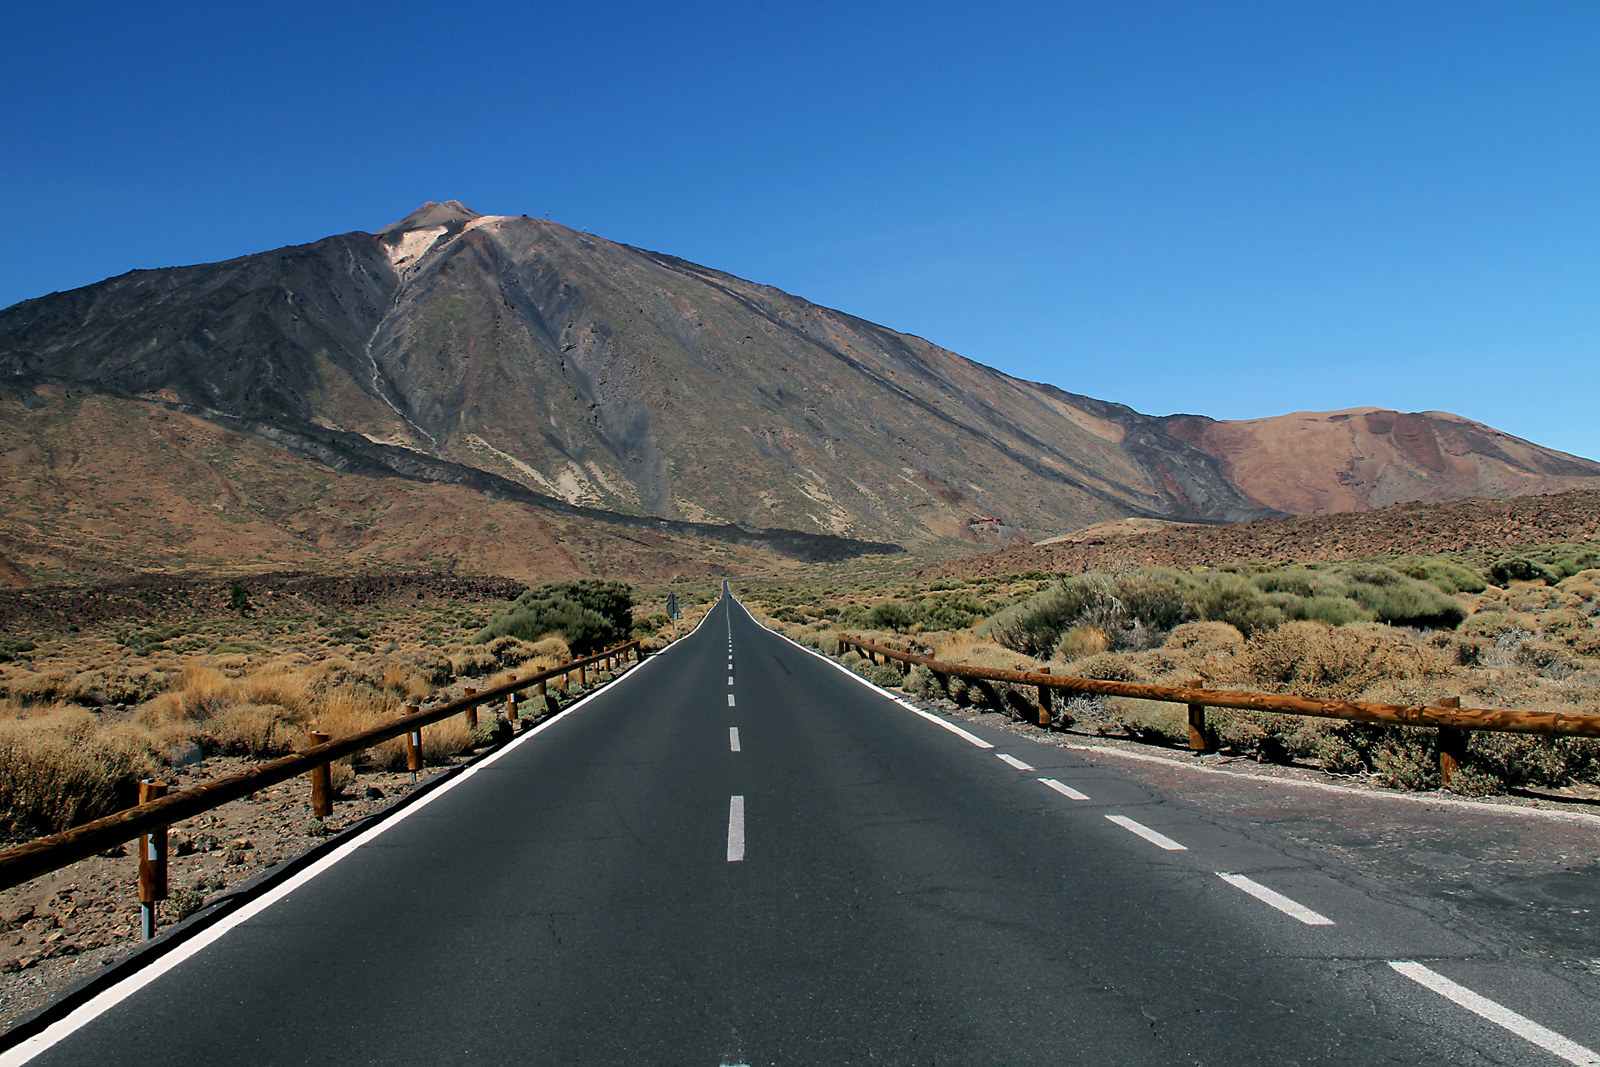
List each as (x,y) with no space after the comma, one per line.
(152,863)
(413,745)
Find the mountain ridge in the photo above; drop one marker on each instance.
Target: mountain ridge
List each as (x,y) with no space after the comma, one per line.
(570,370)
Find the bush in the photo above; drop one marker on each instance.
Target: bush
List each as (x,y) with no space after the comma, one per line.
(1447,577)
(60,769)
(891,615)
(589,614)
(1134,611)
(1231,599)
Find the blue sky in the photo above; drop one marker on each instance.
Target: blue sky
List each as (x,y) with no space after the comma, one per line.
(1236,209)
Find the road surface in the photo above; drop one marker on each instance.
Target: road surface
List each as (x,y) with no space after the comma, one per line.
(740,853)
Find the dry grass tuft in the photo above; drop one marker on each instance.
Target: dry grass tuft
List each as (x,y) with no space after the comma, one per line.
(58,767)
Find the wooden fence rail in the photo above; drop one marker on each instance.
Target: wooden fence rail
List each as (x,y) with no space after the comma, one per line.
(27,861)
(1447,715)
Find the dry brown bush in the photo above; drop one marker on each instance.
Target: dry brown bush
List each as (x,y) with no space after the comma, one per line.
(473,661)
(58,767)
(1082,641)
(1311,660)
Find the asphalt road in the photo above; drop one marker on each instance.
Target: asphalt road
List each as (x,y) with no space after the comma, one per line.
(839,881)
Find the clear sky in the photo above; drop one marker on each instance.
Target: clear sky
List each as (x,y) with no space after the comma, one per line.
(1236,209)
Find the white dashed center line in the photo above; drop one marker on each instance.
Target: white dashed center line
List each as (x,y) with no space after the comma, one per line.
(735,829)
(733,739)
(1159,840)
(730,700)
(1018,764)
(1499,1014)
(1277,900)
(1064,790)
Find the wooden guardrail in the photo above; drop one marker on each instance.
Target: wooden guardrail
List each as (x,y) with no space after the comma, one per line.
(21,863)
(1448,716)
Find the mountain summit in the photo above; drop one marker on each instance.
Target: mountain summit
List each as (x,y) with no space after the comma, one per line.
(507,351)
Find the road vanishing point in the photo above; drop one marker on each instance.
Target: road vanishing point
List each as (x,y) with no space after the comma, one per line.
(740,853)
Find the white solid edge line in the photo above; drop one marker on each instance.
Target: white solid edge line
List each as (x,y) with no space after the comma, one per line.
(1064,790)
(1291,908)
(952,727)
(1499,1014)
(730,700)
(735,829)
(1159,840)
(733,739)
(1018,764)
(107,999)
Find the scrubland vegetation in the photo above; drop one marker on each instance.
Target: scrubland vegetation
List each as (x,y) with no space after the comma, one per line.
(83,717)
(1521,632)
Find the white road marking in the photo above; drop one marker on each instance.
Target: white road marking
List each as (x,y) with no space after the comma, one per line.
(104,1001)
(1159,840)
(1018,764)
(1064,790)
(730,679)
(836,665)
(733,738)
(730,700)
(1499,1014)
(735,829)
(1277,900)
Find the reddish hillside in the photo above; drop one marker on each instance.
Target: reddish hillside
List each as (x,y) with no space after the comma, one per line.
(1315,462)
(1490,526)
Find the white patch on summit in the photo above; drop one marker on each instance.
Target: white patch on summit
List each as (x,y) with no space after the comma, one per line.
(413,245)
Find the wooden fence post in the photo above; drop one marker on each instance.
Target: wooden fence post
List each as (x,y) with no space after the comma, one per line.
(471,713)
(1452,746)
(1197,727)
(511,710)
(321,781)
(152,863)
(414,744)
(583,675)
(1046,710)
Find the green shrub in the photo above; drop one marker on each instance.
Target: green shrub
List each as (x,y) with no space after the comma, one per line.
(1133,611)
(590,614)
(1329,610)
(651,623)
(890,615)
(1447,577)
(1231,599)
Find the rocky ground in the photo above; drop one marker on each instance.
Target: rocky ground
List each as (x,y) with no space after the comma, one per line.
(1485,528)
(57,929)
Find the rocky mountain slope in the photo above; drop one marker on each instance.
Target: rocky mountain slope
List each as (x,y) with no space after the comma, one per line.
(105,488)
(1312,463)
(1480,530)
(532,362)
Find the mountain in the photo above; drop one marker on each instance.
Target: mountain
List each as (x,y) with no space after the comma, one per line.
(1316,462)
(539,364)
(102,487)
